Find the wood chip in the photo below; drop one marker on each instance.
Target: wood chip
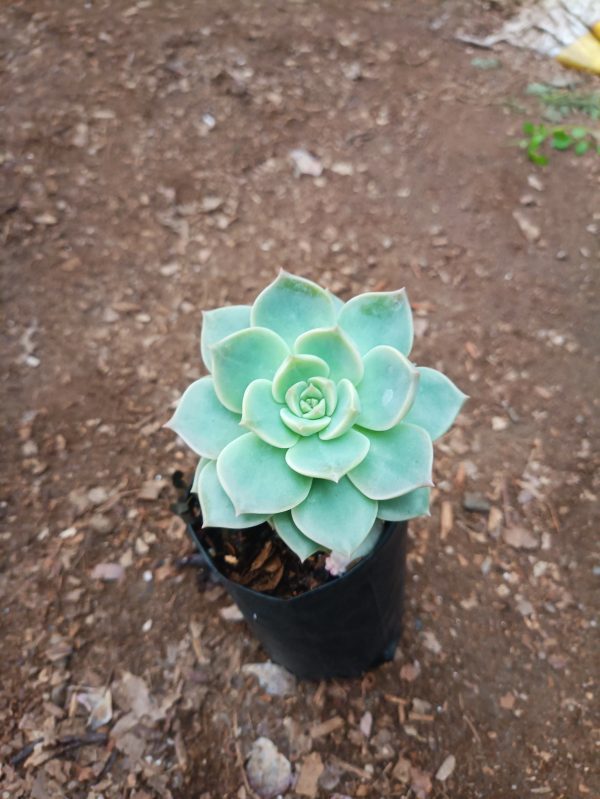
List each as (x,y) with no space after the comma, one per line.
(308,779)
(151,490)
(519,538)
(401,771)
(327,727)
(446,519)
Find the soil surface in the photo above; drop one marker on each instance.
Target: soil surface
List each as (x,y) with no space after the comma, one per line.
(145,174)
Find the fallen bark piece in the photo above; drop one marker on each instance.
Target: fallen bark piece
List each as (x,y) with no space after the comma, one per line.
(420,782)
(327,727)
(308,779)
(519,538)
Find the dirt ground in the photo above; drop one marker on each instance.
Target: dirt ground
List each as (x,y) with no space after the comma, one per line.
(145,175)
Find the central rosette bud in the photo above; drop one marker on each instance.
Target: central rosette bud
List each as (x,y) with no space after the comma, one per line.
(310,404)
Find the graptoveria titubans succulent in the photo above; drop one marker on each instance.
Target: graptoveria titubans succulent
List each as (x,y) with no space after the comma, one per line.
(313,418)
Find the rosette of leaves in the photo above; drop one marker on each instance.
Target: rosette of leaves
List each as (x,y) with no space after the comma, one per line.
(312,416)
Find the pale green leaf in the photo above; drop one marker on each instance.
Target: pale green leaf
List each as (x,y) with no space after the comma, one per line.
(336,349)
(290,305)
(382,317)
(370,541)
(217,509)
(201,465)
(328,392)
(387,389)
(260,413)
(257,478)
(400,509)
(338,304)
(220,323)
(292,396)
(296,369)
(304,427)
(202,422)
(329,460)
(336,515)
(291,535)
(437,403)
(243,357)
(346,412)
(399,460)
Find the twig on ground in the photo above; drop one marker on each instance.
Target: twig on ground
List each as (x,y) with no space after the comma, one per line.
(239,758)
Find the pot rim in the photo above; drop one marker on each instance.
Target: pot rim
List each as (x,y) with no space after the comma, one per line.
(389,529)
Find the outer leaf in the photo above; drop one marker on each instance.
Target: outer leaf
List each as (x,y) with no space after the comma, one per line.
(338,304)
(328,460)
(369,543)
(415,503)
(260,413)
(388,388)
(335,348)
(336,515)
(243,357)
(399,460)
(290,305)
(202,422)
(217,510)
(220,323)
(296,369)
(346,412)
(382,317)
(293,537)
(337,563)
(201,465)
(257,478)
(437,403)
(304,427)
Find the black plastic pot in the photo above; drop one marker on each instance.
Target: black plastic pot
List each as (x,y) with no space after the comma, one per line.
(339,629)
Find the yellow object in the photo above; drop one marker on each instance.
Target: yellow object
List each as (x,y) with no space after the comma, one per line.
(584,53)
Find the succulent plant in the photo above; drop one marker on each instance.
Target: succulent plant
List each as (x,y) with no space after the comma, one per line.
(312,417)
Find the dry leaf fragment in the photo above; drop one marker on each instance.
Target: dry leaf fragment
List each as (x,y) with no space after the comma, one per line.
(151,490)
(401,770)
(366,724)
(520,538)
(98,702)
(431,643)
(446,769)
(308,779)
(327,727)
(494,520)
(107,572)
(446,519)
(507,702)
(410,671)
(180,751)
(529,230)
(420,782)
(231,613)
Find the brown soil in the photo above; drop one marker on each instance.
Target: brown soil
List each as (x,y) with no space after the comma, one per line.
(124,211)
(256,557)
